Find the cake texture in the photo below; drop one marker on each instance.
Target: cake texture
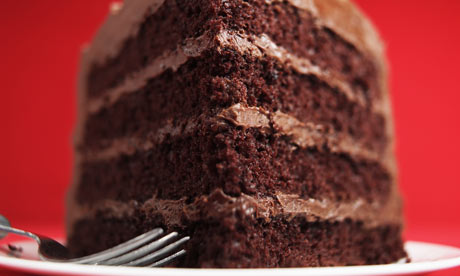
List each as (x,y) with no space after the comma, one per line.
(260,128)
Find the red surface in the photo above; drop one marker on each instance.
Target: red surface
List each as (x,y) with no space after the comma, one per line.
(39,51)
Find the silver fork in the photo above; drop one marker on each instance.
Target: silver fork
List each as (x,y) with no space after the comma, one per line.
(149,249)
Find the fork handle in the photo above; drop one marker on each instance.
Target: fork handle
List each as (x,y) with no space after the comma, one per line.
(3,222)
(5,229)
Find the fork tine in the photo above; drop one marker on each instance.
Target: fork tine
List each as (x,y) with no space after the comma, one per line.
(141,251)
(155,256)
(120,249)
(168,259)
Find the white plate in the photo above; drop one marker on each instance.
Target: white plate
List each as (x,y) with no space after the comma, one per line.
(426,257)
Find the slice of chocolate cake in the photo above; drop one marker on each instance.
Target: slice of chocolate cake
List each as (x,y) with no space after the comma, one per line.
(260,128)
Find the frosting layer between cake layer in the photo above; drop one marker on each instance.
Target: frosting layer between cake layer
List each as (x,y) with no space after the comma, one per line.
(217,204)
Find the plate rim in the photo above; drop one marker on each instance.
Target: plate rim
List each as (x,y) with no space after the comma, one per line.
(36,266)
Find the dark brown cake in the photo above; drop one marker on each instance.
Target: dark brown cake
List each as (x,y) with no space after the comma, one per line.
(260,128)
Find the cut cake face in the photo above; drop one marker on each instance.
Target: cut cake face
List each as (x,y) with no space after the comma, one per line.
(262,129)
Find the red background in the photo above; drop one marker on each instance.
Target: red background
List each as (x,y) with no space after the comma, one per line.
(39,52)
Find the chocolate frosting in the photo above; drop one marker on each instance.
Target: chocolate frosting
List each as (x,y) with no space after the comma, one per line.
(122,23)
(304,135)
(218,205)
(246,117)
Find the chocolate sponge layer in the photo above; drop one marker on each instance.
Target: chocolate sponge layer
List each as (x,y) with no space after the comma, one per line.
(220,155)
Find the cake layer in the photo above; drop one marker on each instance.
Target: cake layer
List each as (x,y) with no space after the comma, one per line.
(244,232)
(314,39)
(221,77)
(250,154)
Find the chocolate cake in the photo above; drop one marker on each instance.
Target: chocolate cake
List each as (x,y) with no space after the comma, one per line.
(260,128)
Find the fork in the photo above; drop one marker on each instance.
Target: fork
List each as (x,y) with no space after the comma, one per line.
(150,249)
